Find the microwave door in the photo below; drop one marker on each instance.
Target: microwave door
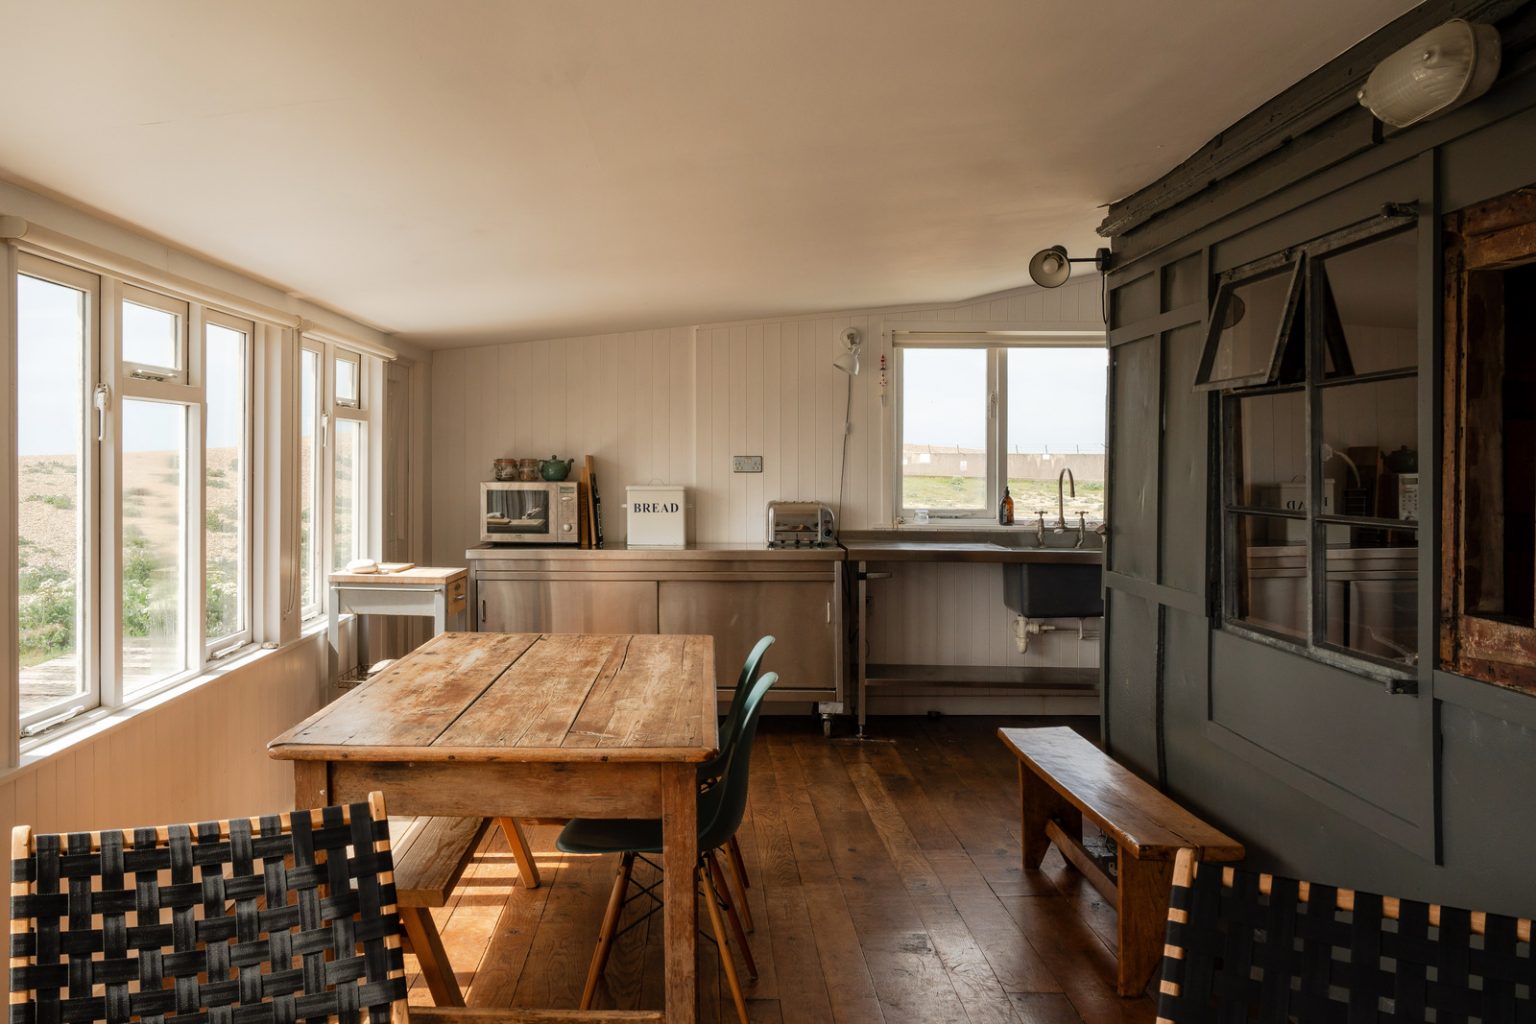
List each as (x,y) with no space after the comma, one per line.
(517,513)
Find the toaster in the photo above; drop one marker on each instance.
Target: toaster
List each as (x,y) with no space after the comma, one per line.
(800,524)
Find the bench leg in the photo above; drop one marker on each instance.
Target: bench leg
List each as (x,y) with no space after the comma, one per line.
(526,868)
(1038,804)
(1142,920)
(421,932)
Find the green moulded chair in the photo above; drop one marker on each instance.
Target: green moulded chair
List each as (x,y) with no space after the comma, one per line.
(721,807)
(712,770)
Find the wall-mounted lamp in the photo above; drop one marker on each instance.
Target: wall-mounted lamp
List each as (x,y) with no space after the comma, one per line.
(1050,268)
(853,342)
(1447,66)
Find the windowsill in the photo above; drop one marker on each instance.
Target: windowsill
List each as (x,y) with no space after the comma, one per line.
(93,723)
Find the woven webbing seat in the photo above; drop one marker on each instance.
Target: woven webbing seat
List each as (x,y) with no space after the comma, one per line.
(251,921)
(1244,946)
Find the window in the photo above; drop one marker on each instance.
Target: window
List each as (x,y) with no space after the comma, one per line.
(334,418)
(310,482)
(1320,469)
(153,335)
(55,473)
(226,476)
(133,508)
(983,412)
(154,562)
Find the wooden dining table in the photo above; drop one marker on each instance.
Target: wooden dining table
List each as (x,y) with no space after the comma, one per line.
(528,725)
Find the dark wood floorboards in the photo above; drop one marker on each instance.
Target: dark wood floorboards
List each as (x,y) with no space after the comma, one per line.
(886,887)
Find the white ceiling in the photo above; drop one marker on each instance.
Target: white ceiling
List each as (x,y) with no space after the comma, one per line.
(461,172)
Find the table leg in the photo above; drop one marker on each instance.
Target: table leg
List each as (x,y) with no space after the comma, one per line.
(680,857)
(311,784)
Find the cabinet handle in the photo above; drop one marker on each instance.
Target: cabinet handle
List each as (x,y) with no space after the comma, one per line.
(482,613)
(829,611)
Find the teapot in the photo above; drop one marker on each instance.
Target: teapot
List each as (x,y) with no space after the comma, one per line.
(553,469)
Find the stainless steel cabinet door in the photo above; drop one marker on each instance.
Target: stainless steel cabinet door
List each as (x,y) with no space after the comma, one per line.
(567,606)
(737,613)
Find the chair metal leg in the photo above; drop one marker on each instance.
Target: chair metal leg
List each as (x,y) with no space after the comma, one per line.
(739,876)
(712,901)
(427,943)
(730,912)
(526,868)
(606,931)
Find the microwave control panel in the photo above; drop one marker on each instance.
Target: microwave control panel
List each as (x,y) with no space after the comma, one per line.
(565,514)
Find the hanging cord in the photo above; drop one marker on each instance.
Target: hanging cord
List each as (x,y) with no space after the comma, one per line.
(842,471)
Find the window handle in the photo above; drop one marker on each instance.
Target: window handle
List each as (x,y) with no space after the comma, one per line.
(992,406)
(102,399)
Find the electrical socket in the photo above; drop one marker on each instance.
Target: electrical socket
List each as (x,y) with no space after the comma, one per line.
(746,464)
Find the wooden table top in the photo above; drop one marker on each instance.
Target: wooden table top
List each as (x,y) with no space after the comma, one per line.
(420,576)
(522,697)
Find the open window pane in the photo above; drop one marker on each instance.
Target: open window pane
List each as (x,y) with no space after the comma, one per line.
(225,529)
(151,337)
(944,429)
(154,436)
(348,378)
(51,335)
(1371,319)
(349,513)
(1248,321)
(1269,435)
(1056,422)
(1270,574)
(309,481)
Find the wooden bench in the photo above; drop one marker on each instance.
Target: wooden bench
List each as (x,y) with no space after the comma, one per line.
(1063,778)
(430,855)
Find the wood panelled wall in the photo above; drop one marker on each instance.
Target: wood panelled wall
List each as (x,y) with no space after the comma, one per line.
(674,405)
(193,757)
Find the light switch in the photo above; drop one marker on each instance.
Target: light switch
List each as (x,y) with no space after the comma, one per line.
(746,464)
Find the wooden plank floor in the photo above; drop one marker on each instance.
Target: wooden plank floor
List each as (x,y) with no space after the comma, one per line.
(886,887)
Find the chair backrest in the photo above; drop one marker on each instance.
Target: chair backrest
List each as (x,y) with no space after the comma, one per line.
(1247,946)
(266,921)
(732,723)
(733,783)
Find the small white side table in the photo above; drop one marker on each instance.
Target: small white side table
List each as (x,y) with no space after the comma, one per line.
(438,593)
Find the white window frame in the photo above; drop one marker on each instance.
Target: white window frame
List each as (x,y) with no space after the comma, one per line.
(331,409)
(320,521)
(996,345)
(101,625)
(88,602)
(215,648)
(181,309)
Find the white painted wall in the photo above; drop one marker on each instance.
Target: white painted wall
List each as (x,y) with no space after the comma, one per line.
(674,405)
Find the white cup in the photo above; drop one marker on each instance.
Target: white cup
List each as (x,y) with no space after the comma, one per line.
(920,516)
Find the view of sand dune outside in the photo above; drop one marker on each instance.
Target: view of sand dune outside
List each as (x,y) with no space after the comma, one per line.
(53,425)
(1055,421)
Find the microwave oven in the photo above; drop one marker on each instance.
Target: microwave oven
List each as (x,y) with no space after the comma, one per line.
(528,512)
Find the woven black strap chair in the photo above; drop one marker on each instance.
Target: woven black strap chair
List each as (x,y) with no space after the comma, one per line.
(272,920)
(1249,947)
(257,921)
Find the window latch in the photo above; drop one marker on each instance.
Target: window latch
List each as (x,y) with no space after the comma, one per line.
(158,378)
(103,401)
(992,406)
(40,727)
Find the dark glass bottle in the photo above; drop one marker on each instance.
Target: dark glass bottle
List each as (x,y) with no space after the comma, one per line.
(1005,508)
